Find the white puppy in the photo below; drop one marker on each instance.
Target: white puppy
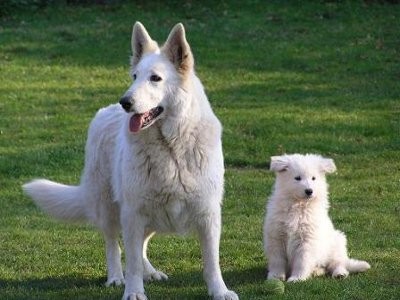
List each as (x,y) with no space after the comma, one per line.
(299,237)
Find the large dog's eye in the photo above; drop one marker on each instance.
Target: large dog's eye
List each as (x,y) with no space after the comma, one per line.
(134,76)
(313,178)
(298,178)
(155,78)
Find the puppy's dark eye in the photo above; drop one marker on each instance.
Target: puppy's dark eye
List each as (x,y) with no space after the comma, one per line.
(298,178)
(313,178)
(134,76)
(155,78)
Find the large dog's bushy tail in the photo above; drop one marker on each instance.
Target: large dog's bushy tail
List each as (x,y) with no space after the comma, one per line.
(63,202)
(356,266)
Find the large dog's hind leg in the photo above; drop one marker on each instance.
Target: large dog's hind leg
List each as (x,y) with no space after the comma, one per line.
(109,218)
(150,273)
(113,255)
(106,218)
(209,234)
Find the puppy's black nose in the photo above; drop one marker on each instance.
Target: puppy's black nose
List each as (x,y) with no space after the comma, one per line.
(126,103)
(308,192)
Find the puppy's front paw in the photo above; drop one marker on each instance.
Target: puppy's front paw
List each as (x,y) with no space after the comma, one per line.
(296,279)
(229,295)
(277,275)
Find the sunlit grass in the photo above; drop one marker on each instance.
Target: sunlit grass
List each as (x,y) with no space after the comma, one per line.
(282,77)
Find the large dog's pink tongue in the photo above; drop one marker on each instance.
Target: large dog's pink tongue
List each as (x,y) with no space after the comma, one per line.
(136,122)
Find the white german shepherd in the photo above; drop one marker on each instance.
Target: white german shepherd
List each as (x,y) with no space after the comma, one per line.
(153,163)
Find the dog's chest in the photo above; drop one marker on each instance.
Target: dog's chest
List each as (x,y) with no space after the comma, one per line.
(173,215)
(167,187)
(168,171)
(300,222)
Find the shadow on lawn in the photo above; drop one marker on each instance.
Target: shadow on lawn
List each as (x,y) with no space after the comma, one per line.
(189,285)
(52,283)
(64,287)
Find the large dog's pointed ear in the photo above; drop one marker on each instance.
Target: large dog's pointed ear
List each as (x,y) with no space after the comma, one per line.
(327,165)
(177,50)
(141,43)
(279,163)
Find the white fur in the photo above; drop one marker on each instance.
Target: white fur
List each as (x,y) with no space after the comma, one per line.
(299,237)
(167,177)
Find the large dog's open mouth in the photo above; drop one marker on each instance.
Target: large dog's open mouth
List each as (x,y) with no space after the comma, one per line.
(142,121)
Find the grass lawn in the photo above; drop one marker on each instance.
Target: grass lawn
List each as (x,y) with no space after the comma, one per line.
(283,77)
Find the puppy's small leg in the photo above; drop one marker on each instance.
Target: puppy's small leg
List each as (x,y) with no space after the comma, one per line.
(337,265)
(276,260)
(209,233)
(302,266)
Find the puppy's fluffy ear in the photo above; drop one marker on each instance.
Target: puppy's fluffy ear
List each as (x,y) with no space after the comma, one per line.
(279,163)
(141,43)
(177,50)
(327,165)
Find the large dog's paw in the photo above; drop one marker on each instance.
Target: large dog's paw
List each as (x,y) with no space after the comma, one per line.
(135,296)
(115,281)
(155,276)
(229,295)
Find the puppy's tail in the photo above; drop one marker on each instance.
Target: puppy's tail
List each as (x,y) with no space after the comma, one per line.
(63,202)
(356,266)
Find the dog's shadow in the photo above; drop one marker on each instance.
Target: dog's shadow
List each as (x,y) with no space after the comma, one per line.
(188,285)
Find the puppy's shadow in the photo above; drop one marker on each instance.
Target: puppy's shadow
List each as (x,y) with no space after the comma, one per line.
(254,274)
(191,285)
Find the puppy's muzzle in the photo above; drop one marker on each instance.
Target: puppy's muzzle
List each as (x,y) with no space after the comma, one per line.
(126,103)
(308,192)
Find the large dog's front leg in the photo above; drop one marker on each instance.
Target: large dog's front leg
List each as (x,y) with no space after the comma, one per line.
(209,238)
(133,235)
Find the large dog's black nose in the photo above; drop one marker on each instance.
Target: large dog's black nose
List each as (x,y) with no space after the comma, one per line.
(308,192)
(126,103)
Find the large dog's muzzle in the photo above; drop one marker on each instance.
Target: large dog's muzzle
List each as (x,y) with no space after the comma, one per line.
(126,103)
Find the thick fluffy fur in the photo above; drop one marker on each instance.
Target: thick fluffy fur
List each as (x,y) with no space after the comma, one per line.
(154,166)
(299,237)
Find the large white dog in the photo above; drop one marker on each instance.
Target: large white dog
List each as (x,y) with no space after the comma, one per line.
(153,163)
(299,237)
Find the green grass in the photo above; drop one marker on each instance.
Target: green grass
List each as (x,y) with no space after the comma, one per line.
(319,77)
